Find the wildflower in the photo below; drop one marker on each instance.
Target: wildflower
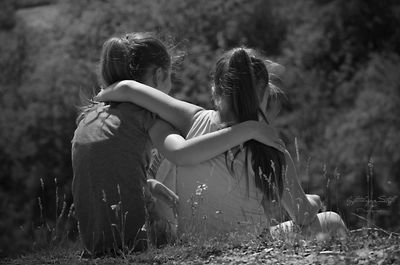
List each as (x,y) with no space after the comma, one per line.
(200,189)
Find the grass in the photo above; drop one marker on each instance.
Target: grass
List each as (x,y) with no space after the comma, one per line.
(368,245)
(363,246)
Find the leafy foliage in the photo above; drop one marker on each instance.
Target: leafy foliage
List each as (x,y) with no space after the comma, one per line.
(342,61)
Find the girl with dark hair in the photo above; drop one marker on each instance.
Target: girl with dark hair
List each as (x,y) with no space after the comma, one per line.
(112,143)
(240,186)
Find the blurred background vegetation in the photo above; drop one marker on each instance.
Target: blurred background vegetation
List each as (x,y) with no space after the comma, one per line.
(341,79)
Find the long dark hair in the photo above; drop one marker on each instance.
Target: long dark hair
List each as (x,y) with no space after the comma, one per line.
(235,78)
(129,57)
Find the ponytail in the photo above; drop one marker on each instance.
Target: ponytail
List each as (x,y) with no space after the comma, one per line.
(245,101)
(235,78)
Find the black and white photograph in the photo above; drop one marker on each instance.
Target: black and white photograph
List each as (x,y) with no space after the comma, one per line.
(199,132)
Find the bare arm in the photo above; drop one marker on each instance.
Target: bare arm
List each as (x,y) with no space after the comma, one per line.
(178,113)
(199,149)
(302,208)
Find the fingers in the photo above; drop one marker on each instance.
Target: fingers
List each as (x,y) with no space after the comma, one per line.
(107,94)
(166,192)
(151,183)
(100,96)
(161,192)
(172,202)
(280,145)
(272,135)
(275,144)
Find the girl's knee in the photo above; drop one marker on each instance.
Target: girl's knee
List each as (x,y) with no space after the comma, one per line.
(332,223)
(331,218)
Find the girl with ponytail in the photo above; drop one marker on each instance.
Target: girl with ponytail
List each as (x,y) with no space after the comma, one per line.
(237,188)
(236,75)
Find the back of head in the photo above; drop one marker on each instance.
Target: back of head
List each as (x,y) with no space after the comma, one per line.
(237,76)
(131,57)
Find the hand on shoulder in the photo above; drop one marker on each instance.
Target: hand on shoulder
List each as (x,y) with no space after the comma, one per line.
(118,91)
(268,135)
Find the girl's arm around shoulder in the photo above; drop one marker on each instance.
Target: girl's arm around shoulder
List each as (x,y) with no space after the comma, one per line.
(177,112)
(199,149)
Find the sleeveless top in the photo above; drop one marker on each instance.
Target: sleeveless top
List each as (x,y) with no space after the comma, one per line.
(110,154)
(211,198)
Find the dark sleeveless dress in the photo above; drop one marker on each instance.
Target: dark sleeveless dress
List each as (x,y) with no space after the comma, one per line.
(110,155)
